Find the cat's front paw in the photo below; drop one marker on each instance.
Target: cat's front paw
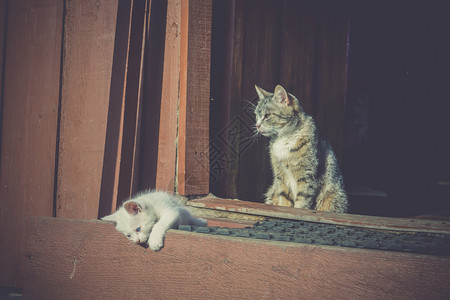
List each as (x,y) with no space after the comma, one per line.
(156,243)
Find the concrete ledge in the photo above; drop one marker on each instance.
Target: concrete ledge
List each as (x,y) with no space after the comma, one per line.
(79,259)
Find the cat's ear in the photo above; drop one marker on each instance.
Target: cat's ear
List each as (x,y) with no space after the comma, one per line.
(132,207)
(261,93)
(280,95)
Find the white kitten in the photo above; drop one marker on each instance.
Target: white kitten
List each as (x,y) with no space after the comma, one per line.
(146,217)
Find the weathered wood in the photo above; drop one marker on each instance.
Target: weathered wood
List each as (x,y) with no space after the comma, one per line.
(167,144)
(332,73)
(29,125)
(89,32)
(130,141)
(298,55)
(114,127)
(193,130)
(321,216)
(261,56)
(152,88)
(76,259)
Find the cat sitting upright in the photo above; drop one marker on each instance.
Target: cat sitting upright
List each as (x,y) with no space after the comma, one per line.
(146,217)
(305,170)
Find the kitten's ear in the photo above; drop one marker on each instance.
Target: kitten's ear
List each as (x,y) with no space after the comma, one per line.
(261,93)
(132,207)
(281,96)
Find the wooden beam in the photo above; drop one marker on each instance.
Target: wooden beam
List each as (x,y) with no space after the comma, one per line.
(132,94)
(281,212)
(193,128)
(30,96)
(89,32)
(77,259)
(167,144)
(332,73)
(114,127)
(152,87)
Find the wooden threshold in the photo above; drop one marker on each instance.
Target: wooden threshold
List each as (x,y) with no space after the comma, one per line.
(272,211)
(80,259)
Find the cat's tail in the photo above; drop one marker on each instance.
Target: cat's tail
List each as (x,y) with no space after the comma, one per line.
(198,222)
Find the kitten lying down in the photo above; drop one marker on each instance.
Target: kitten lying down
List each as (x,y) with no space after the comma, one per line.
(146,217)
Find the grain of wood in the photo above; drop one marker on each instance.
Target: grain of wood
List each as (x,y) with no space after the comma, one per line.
(76,259)
(29,124)
(89,32)
(167,145)
(193,122)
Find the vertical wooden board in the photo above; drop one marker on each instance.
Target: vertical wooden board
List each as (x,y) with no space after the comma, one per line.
(297,59)
(152,88)
(260,66)
(224,44)
(30,117)
(114,127)
(193,138)
(131,101)
(2,44)
(167,144)
(89,32)
(332,73)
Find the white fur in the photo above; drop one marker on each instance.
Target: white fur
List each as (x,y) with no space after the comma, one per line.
(158,212)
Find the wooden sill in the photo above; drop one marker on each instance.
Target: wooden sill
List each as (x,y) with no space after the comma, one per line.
(79,259)
(249,210)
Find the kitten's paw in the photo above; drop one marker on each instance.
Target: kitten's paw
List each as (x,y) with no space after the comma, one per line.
(155,244)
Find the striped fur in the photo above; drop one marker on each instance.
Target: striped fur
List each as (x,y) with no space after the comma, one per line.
(305,169)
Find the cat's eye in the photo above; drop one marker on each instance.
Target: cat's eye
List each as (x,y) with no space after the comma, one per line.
(267,116)
(128,235)
(138,229)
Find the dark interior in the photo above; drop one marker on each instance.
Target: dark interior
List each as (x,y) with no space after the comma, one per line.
(397,112)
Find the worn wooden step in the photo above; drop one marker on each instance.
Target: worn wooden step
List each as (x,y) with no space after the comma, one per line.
(79,259)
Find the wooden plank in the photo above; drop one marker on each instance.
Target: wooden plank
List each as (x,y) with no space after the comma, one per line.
(30,117)
(298,55)
(193,137)
(77,259)
(167,144)
(261,66)
(3,20)
(131,101)
(152,88)
(114,127)
(274,211)
(89,32)
(332,73)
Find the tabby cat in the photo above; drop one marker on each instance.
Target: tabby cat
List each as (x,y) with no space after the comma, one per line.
(305,170)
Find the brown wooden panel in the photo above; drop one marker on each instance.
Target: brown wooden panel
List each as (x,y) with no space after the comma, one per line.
(261,55)
(114,127)
(152,88)
(3,19)
(193,137)
(298,55)
(30,117)
(129,141)
(89,32)
(77,259)
(332,73)
(167,144)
